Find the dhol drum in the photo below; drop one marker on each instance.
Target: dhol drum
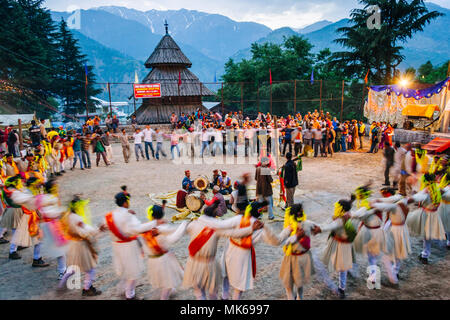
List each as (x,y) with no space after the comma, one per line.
(201,183)
(194,202)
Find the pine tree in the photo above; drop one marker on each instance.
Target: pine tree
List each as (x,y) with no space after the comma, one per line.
(71,76)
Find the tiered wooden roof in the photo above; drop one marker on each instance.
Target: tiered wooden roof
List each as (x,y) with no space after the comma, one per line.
(169,64)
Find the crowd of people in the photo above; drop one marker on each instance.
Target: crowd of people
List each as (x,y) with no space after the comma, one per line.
(377,227)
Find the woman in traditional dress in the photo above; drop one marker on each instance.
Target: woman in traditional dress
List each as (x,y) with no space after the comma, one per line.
(54,241)
(127,254)
(13,212)
(372,239)
(164,270)
(81,252)
(338,255)
(426,220)
(297,264)
(28,232)
(202,271)
(396,208)
(240,258)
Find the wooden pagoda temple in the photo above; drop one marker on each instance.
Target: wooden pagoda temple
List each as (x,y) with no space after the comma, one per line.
(181,90)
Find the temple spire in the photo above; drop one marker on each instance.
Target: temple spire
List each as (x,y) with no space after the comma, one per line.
(167,27)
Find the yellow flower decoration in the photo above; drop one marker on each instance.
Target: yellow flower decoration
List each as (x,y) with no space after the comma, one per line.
(150,213)
(338,211)
(81,208)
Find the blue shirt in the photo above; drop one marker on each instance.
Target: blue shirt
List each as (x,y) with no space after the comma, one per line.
(187,181)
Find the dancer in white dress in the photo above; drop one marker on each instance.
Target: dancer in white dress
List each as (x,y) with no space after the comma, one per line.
(127,254)
(164,270)
(396,208)
(202,272)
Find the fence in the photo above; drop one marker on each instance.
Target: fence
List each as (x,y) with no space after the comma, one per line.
(343,100)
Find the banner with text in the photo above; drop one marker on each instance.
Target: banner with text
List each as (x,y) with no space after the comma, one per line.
(147,90)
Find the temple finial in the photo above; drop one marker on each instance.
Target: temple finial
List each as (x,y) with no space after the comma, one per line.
(167,27)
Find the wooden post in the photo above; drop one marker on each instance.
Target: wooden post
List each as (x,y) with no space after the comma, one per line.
(134,99)
(362,102)
(257,98)
(342,101)
(109,93)
(20,135)
(223,110)
(271,113)
(276,142)
(320,106)
(242,97)
(295,97)
(85,96)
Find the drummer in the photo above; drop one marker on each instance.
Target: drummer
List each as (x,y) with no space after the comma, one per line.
(226,184)
(188,182)
(218,197)
(216,180)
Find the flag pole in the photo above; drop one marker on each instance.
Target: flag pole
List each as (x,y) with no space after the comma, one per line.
(85,95)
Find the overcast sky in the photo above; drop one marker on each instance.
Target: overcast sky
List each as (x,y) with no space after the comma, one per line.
(272,13)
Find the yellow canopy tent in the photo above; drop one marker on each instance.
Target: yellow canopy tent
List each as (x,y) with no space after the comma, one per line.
(420,110)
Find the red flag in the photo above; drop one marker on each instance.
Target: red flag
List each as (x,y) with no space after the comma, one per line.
(366,79)
(270,74)
(179,78)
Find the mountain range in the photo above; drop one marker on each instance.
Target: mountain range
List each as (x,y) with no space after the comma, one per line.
(117,40)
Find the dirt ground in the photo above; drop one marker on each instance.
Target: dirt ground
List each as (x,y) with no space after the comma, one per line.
(322,182)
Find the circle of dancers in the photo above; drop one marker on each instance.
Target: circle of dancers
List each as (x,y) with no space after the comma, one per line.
(378,227)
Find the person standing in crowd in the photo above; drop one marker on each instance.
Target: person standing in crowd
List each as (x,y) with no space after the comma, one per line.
(159,144)
(389,159)
(264,181)
(134,122)
(148,141)
(290,179)
(115,123)
(125,142)
(35,134)
(86,142)
(317,137)
(362,133)
(42,128)
(77,142)
(287,139)
(137,136)
(99,150)
(173,120)
(298,139)
(108,122)
(375,138)
(105,137)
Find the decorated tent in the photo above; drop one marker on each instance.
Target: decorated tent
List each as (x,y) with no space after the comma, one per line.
(386,103)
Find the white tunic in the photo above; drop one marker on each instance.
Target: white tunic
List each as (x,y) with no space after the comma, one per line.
(396,225)
(165,271)
(127,256)
(22,236)
(238,261)
(426,221)
(202,270)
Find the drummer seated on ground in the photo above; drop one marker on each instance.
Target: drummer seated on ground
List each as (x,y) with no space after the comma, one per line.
(226,184)
(187,181)
(216,180)
(221,207)
(181,197)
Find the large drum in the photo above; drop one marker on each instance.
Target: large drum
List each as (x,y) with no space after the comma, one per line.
(201,183)
(194,202)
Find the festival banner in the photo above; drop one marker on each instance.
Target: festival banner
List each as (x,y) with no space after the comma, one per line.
(147,90)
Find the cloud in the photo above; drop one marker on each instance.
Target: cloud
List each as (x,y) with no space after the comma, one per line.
(272,13)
